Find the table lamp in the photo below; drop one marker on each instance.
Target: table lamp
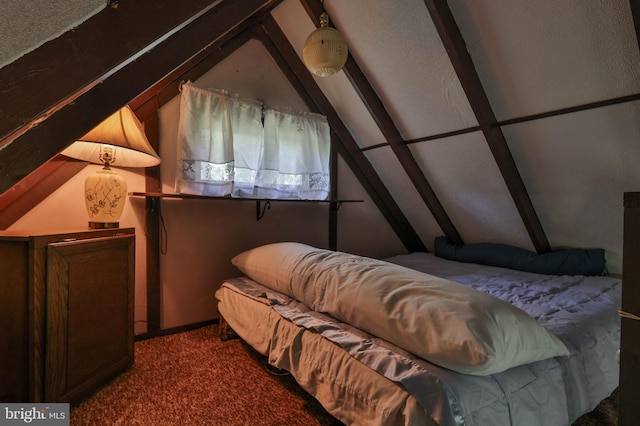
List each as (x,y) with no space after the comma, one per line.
(117,141)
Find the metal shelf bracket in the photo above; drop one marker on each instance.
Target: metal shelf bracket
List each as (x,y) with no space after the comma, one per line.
(261,211)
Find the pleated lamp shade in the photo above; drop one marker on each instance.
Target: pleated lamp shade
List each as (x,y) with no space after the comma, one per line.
(325,50)
(119,141)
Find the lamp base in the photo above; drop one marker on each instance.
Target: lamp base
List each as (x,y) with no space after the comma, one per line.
(105,195)
(103,225)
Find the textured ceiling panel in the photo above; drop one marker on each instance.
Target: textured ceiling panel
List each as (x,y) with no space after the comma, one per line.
(543,55)
(576,168)
(466,178)
(405,194)
(357,220)
(398,48)
(25,25)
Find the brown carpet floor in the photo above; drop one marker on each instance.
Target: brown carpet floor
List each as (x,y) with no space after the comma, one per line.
(193,378)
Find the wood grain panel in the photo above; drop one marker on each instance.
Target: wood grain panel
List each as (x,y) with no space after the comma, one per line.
(14,320)
(37,301)
(629,410)
(89,315)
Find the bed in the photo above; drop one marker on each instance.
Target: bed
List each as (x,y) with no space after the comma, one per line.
(419,339)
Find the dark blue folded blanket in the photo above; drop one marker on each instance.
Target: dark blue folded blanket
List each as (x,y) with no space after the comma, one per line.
(559,262)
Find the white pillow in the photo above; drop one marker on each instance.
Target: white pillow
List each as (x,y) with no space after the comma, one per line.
(271,264)
(444,322)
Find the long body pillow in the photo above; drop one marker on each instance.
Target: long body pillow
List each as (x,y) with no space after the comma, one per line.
(559,262)
(446,323)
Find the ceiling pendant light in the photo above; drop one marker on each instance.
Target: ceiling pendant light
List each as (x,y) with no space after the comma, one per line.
(325,50)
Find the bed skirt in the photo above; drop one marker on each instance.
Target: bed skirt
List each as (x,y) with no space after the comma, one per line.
(349,390)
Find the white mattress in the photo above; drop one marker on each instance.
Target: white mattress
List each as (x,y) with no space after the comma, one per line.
(581,311)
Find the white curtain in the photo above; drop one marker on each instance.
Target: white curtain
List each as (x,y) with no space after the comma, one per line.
(296,156)
(248,145)
(205,143)
(224,148)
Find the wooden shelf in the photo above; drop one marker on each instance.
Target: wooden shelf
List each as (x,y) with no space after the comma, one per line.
(206,197)
(260,209)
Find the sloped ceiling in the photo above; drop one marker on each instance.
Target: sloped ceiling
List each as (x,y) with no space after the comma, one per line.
(512,122)
(532,58)
(537,62)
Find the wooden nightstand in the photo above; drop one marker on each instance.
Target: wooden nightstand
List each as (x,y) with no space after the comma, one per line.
(66,309)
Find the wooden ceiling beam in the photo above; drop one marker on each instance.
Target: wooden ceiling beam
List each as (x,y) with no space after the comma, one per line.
(462,63)
(165,34)
(289,62)
(37,84)
(635,13)
(391,133)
